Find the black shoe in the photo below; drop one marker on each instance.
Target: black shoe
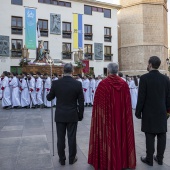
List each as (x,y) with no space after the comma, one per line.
(9,107)
(27,107)
(62,162)
(72,162)
(41,106)
(89,105)
(18,107)
(5,107)
(85,105)
(144,160)
(160,162)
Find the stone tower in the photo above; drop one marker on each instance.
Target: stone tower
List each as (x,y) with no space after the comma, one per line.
(142,33)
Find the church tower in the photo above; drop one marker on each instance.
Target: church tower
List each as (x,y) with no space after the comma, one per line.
(143,33)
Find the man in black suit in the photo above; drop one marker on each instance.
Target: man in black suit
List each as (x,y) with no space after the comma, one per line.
(152,107)
(69,110)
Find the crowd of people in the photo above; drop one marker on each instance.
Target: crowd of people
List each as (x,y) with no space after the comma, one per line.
(112,137)
(29,90)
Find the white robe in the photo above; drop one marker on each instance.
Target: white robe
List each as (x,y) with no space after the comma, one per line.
(80,80)
(54,100)
(10,79)
(39,85)
(31,83)
(92,90)
(15,92)
(47,87)
(96,84)
(133,93)
(0,88)
(6,93)
(86,84)
(25,96)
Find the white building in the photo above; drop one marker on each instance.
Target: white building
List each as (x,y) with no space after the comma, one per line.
(99,26)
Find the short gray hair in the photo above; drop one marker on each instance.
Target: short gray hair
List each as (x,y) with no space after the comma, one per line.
(68,68)
(112,68)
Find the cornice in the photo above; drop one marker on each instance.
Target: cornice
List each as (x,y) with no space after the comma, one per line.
(98,3)
(148,3)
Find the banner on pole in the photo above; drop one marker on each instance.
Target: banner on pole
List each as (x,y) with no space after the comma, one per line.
(86,68)
(78,31)
(30,28)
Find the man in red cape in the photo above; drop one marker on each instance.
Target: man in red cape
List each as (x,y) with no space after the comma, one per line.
(112,144)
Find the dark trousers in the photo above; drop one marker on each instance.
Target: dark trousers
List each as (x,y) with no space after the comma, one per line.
(71,134)
(150,145)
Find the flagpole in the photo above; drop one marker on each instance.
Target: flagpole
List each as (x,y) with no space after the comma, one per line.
(51,62)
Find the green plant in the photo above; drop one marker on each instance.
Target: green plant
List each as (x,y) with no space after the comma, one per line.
(79,64)
(24,62)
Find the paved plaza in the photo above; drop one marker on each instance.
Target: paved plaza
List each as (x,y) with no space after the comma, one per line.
(26,144)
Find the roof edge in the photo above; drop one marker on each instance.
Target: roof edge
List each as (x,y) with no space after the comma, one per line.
(99,3)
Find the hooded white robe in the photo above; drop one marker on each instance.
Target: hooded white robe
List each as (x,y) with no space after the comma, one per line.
(15,92)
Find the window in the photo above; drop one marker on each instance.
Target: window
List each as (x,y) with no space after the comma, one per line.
(107,53)
(45,45)
(100,9)
(61,3)
(66,51)
(107,13)
(107,34)
(105,71)
(97,9)
(88,51)
(16,25)
(67,4)
(88,35)
(56,2)
(87,10)
(66,26)
(16,49)
(43,25)
(16,2)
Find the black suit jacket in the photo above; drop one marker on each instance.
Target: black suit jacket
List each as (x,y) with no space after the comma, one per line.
(70,99)
(153,102)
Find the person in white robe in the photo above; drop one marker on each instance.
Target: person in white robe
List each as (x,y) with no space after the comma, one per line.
(92,89)
(39,88)
(98,80)
(9,79)
(1,78)
(133,93)
(86,84)
(6,102)
(136,84)
(121,76)
(16,103)
(25,96)
(47,87)
(31,82)
(55,77)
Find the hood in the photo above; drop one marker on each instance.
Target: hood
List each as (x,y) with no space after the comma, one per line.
(115,81)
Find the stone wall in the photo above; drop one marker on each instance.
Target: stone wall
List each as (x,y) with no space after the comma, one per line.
(142,33)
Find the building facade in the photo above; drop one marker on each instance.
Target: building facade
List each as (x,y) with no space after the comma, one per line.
(55,20)
(142,34)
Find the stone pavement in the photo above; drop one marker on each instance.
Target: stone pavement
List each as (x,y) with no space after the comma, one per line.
(26,144)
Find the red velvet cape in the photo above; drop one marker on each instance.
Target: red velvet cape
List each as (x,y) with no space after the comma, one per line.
(112,144)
